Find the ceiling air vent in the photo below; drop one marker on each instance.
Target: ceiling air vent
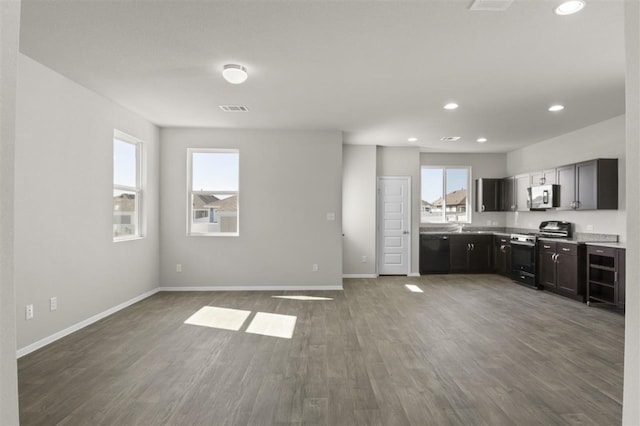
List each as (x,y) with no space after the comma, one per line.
(234,108)
(450,138)
(490,5)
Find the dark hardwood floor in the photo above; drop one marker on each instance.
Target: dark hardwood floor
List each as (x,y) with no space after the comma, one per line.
(471,349)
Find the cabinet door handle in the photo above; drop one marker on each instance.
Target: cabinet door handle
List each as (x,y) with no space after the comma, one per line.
(503,248)
(565,249)
(546,246)
(573,205)
(599,251)
(483,207)
(615,277)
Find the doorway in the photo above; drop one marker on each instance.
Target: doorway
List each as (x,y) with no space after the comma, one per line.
(394,225)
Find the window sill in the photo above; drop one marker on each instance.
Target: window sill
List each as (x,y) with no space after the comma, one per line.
(229,234)
(122,239)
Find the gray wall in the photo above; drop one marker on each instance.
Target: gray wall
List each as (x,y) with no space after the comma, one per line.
(289,181)
(631,408)
(482,166)
(63,206)
(359,210)
(9,31)
(601,140)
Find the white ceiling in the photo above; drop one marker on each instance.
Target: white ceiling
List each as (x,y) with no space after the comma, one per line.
(380,71)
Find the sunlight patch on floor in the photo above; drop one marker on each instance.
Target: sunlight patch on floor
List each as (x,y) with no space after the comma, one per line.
(274,325)
(303,297)
(226,319)
(414,288)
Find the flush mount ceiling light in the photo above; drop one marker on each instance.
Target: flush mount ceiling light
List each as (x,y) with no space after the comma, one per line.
(556,108)
(569,7)
(481,140)
(235,74)
(412,139)
(451,106)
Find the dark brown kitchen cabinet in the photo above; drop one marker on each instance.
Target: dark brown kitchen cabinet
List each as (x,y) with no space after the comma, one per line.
(502,255)
(508,194)
(566,178)
(488,195)
(605,276)
(470,253)
(515,194)
(590,185)
(559,268)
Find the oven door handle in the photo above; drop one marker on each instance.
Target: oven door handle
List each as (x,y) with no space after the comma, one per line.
(522,243)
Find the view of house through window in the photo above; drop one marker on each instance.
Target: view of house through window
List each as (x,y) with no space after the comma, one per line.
(127,189)
(445,194)
(213,192)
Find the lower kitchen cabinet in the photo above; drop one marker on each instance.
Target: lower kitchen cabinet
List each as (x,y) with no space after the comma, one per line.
(559,268)
(605,276)
(470,253)
(502,255)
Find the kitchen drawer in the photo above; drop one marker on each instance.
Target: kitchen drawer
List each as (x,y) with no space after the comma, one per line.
(567,249)
(602,251)
(547,246)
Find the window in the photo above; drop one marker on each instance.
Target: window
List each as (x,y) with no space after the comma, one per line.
(213,192)
(445,194)
(127,187)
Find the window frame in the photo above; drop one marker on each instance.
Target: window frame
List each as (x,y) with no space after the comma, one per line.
(191,192)
(138,190)
(469,203)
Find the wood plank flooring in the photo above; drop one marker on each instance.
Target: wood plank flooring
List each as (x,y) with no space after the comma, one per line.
(470,350)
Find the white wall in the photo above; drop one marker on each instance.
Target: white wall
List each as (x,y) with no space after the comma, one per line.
(405,162)
(482,166)
(601,140)
(359,210)
(289,181)
(63,207)
(630,406)
(9,32)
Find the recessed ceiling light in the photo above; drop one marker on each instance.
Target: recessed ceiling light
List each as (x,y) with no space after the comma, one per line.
(556,108)
(412,139)
(449,138)
(481,140)
(570,7)
(451,105)
(235,74)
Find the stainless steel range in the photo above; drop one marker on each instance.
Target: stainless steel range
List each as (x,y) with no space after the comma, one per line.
(524,253)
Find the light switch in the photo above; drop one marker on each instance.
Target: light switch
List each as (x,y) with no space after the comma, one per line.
(331,216)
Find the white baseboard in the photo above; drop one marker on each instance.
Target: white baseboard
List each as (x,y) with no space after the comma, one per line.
(413,274)
(82,324)
(256,288)
(360,276)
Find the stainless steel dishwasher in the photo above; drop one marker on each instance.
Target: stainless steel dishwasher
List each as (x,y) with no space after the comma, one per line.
(434,254)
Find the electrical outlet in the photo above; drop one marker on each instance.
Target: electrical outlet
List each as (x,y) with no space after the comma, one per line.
(364,259)
(28,312)
(178,267)
(53,303)
(331,216)
(314,267)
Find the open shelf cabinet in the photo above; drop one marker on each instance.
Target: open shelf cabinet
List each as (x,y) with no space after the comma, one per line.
(605,276)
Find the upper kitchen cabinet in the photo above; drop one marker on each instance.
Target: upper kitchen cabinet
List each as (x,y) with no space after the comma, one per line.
(545,177)
(515,194)
(521,185)
(589,185)
(508,195)
(488,195)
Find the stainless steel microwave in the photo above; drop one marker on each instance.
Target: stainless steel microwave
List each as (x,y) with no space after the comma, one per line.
(544,197)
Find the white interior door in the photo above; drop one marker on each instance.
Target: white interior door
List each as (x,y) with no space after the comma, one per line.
(394,225)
